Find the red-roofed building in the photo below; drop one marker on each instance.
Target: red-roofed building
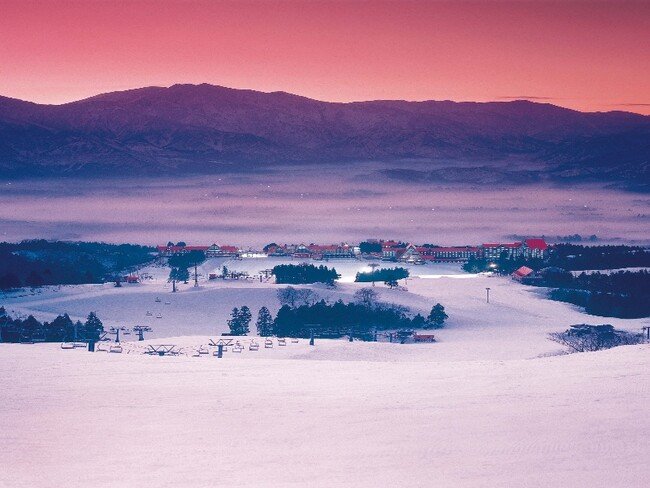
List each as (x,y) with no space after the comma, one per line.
(391,244)
(332,251)
(492,252)
(409,255)
(391,250)
(536,248)
(217,251)
(530,248)
(301,252)
(448,254)
(522,273)
(277,251)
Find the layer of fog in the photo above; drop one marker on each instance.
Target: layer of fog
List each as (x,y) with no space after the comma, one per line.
(311,205)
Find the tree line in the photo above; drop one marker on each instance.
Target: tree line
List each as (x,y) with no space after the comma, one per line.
(389,276)
(304,274)
(61,329)
(300,318)
(623,294)
(40,262)
(577,258)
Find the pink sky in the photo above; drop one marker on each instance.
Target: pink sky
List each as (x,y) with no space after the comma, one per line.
(586,55)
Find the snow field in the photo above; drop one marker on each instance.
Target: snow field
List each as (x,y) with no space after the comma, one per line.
(490,404)
(71,418)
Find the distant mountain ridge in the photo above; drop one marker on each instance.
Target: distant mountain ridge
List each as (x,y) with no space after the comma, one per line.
(195,129)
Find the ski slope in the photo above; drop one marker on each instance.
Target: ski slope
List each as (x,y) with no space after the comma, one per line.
(492,403)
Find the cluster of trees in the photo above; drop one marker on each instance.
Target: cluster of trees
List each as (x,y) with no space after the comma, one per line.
(40,262)
(179,264)
(585,337)
(571,257)
(295,297)
(240,319)
(389,276)
(301,314)
(622,294)
(369,247)
(61,329)
(576,257)
(304,274)
(339,319)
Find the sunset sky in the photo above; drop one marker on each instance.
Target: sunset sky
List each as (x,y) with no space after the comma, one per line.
(587,55)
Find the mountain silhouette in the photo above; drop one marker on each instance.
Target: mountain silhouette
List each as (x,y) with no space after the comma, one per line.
(202,129)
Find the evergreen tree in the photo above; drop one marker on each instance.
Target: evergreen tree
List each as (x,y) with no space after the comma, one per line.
(60,329)
(264,322)
(240,320)
(285,323)
(368,247)
(93,327)
(30,327)
(233,322)
(245,317)
(437,316)
(179,274)
(304,274)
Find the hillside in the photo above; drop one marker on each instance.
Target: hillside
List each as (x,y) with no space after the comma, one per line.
(197,129)
(491,403)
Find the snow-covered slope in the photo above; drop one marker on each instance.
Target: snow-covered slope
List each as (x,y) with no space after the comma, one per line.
(490,404)
(513,325)
(75,419)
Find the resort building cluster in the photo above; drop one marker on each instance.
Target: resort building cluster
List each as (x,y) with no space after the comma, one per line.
(407,253)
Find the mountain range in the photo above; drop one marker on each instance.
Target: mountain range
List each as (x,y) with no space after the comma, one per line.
(200,129)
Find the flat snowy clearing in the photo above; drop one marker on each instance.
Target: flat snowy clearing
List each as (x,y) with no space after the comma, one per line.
(488,405)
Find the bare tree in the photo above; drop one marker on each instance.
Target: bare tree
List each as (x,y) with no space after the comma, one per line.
(296,297)
(585,337)
(366,297)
